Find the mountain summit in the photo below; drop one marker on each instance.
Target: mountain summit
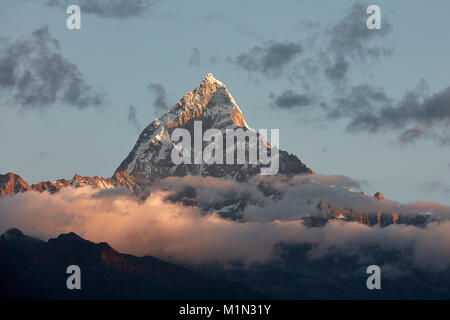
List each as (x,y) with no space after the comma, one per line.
(210,97)
(212,104)
(209,103)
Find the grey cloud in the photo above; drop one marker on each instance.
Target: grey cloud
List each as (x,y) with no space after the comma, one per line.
(327,55)
(213,17)
(213,60)
(34,75)
(332,52)
(361,98)
(307,25)
(411,135)
(107,9)
(290,100)
(351,37)
(46,154)
(416,115)
(269,59)
(160,98)
(436,186)
(195,59)
(250,33)
(132,118)
(297,196)
(366,107)
(338,70)
(113,194)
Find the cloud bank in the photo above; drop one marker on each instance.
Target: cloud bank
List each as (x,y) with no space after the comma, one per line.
(184,234)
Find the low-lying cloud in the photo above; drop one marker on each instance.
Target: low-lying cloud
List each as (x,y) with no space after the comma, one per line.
(184,234)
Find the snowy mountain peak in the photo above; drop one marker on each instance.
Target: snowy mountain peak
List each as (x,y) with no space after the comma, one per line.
(209,103)
(212,104)
(210,92)
(210,79)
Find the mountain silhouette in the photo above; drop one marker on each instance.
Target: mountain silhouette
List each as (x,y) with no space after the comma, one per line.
(34,269)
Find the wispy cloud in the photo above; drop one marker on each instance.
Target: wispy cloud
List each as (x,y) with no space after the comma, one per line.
(349,37)
(436,186)
(107,8)
(132,118)
(327,60)
(194,59)
(417,115)
(270,59)
(159,96)
(290,100)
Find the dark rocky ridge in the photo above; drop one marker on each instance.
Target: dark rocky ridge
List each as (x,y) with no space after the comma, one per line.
(328,212)
(34,269)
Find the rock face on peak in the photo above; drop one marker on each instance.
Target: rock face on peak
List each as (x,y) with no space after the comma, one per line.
(379,196)
(329,212)
(212,104)
(12,183)
(119,179)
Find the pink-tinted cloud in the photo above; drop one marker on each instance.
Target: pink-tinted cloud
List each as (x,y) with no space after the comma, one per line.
(184,234)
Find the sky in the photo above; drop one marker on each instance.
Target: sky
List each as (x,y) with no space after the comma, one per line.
(373,105)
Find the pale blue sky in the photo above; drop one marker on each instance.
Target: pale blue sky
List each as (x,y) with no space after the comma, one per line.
(122,56)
